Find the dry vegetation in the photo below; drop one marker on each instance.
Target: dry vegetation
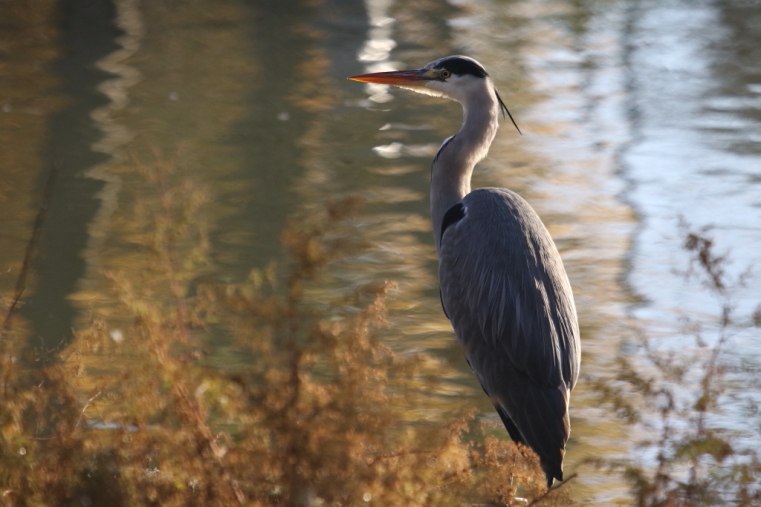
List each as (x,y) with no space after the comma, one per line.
(315,409)
(311,414)
(690,461)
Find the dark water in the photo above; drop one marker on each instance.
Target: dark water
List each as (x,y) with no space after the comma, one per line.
(634,114)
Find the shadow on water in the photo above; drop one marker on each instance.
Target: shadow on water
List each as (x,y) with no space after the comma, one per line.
(87,34)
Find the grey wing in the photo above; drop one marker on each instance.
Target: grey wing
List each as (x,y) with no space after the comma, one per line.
(507,295)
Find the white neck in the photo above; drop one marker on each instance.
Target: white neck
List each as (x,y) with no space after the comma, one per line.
(453,166)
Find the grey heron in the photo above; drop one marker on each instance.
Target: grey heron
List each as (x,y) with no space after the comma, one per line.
(502,282)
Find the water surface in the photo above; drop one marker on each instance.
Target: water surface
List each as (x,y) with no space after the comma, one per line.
(634,114)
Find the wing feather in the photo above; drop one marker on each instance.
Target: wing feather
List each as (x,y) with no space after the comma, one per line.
(507,295)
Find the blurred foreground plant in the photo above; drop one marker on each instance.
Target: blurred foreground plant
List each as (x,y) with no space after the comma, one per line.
(695,463)
(310,412)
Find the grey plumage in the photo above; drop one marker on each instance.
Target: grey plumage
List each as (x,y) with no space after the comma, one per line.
(503,285)
(505,291)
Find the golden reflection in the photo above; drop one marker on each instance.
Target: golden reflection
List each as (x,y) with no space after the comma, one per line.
(248,101)
(310,82)
(189,80)
(28,94)
(248,104)
(179,87)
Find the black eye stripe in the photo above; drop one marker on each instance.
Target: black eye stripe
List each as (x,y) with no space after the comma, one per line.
(462,67)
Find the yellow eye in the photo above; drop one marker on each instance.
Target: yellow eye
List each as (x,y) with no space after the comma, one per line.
(445,74)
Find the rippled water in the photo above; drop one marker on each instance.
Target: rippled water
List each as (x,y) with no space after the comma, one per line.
(634,114)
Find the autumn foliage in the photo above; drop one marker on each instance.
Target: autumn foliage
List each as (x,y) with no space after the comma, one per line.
(311,408)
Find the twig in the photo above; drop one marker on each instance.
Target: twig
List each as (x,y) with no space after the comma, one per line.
(30,248)
(544,495)
(82,413)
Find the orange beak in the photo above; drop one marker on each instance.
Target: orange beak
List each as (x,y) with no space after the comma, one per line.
(397,77)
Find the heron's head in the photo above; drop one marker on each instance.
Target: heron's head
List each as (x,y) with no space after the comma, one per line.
(459,78)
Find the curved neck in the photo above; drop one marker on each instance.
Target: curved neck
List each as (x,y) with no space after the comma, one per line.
(453,166)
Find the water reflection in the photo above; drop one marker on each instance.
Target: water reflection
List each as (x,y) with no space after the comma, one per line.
(115,136)
(633,114)
(378,46)
(86,37)
(695,158)
(28,95)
